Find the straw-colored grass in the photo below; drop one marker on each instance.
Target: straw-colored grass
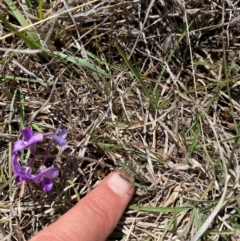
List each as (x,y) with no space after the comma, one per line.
(150,87)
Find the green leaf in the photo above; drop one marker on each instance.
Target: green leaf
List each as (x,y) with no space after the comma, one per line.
(81,62)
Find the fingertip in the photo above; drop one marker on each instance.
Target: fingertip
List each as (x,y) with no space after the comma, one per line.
(96,215)
(119,185)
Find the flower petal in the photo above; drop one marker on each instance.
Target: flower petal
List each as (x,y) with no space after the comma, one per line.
(49,173)
(59,140)
(19,146)
(47,184)
(23,172)
(33,140)
(60,136)
(27,133)
(63,133)
(31,143)
(19,179)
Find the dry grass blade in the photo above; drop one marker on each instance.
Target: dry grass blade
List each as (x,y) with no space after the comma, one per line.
(216,210)
(147,87)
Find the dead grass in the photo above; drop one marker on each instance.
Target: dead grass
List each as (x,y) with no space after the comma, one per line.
(145,86)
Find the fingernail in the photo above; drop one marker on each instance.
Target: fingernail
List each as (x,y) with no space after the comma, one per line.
(118,185)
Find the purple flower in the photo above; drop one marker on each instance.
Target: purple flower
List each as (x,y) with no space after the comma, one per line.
(30,141)
(46,176)
(60,136)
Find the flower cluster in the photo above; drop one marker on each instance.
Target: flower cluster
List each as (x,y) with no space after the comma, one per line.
(46,174)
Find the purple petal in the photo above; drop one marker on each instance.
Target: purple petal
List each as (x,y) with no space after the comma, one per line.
(47,184)
(46,177)
(59,140)
(23,172)
(14,159)
(63,133)
(31,143)
(19,179)
(48,173)
(33,140)
(27,133)
(60,136)
(32,148)
(19,146)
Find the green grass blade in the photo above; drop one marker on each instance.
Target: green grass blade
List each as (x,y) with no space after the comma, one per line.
(137,76)
(8,78)
(197,220)
(167,229)
(25,38)
(188,226)
(160,209)
(74,189)
(40,11)
(204,63)
(81,62)
(29,5)
(21,19)
(36,127)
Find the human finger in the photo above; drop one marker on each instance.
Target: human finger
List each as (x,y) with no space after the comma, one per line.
(95,216)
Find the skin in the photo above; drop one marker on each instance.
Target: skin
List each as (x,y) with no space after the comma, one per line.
(95,216)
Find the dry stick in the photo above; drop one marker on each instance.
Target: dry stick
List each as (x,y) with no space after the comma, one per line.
(21,51)
(25,70)
(141,30)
